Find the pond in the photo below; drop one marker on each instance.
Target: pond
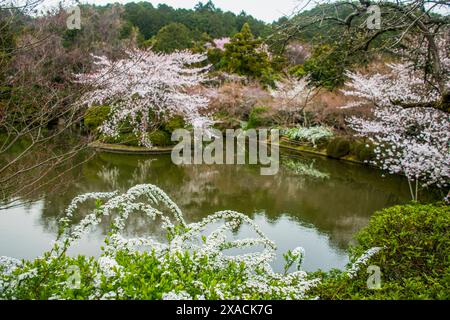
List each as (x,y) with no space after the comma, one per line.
(320,214)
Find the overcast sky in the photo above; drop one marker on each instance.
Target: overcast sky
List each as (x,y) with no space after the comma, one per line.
(267,10)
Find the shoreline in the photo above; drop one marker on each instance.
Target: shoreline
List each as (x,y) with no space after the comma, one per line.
(123,149)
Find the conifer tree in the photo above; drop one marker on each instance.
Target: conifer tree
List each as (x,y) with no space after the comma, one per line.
(246,56)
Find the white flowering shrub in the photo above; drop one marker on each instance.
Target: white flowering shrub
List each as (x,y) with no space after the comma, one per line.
(311,135)
(147,88)
(191,264)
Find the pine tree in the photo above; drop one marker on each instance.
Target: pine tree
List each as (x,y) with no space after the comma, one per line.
(245,56)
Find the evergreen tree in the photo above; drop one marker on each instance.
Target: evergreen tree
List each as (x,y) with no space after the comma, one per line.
(245,56)
(175,36)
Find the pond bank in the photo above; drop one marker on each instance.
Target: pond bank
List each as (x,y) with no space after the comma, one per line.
(284,144)
(118,148)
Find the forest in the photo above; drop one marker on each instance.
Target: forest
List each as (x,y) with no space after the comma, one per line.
(351,97)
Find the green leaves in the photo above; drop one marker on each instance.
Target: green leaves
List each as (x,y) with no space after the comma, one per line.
(415,260)
(245,56)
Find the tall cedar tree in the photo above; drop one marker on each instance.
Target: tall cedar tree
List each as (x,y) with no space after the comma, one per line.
(245,56)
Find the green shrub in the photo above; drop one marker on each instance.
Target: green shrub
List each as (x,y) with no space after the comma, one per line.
(244,57)
(160,138)
(172,37)
(174,123)
(128,139)
(259,117)
(414,261)
(95,116)
(364,152)
(338,148)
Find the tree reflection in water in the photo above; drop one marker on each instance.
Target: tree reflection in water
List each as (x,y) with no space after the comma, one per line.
(321,214)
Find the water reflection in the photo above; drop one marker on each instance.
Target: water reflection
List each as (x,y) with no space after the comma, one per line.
(320,214)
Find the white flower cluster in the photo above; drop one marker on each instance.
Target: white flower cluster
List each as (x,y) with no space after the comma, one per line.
(292,94)
(402,84)
(182,295)
(154,202)
(7,266)
(206,251)
(409,141)
(361,261)
(309,134)
(413,142)
(146,88)
(291,88)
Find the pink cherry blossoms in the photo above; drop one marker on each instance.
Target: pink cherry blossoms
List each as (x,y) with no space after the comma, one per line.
(409,141)
(146,88)
(220,43)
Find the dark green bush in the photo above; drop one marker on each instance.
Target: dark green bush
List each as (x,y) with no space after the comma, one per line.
(414,261)
(326,67)
(160,138)
(128,139)
(172,37)
(363,151)
(259,117)
(95,116)
(338,148)
(174,123)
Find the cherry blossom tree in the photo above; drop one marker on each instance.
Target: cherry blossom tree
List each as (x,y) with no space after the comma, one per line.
(402,85)
(291,97)
(146,88)
(409,141)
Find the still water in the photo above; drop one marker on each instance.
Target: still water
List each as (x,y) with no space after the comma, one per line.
(320,214)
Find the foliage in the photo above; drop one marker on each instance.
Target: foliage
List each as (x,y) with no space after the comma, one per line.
(95,116)
(326,67)
(414,260)
(236,99)
(245,55)
(145,89)
(174,36)
(259,118)
(192,264)
(313,135)
(7,45)
(125,138)
(205,18)
(174,123)
(364,152)
(338,147)
(159,138)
